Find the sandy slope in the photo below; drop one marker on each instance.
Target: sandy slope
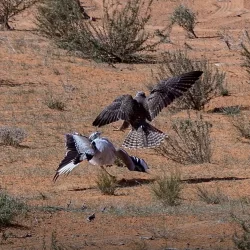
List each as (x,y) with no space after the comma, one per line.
(31,70)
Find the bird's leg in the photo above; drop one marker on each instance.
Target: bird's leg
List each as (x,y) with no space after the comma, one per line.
(117,129)
(112,176)
(124,126)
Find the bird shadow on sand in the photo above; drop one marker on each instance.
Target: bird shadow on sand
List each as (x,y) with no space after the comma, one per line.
(14,225)
(120,183)
(213,179)
(133,182)
(15,146)
(82,189)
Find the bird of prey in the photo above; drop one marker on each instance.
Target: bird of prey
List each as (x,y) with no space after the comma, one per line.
(96,150)
(140,109)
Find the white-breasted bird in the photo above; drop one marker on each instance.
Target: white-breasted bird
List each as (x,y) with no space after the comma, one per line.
(96,150)
(138,111)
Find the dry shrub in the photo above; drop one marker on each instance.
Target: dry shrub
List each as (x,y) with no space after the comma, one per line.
(242,241)
(106,183)
(246,52)
(185,18)
(12,136)
(57,18)
(210,85)
(242,123)
(119,37)
(167,189)
(53,102)
(190,142)
(9,208)
(211,197)
(10,8)
(231,110)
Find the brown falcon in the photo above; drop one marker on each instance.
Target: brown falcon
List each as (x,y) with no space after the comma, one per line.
(140,109)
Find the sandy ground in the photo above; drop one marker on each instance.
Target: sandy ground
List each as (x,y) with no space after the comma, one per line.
(32,70)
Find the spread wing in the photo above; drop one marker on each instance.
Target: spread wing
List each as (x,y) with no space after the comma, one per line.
(121,108)
(133,163)
(76,146)
(123,155)
(81,143)
(169,89)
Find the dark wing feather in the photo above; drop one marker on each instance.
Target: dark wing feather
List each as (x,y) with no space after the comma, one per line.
(167,90)
(120,108)
(76,145)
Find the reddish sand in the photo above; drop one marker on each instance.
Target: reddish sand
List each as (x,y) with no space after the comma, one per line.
(32,69)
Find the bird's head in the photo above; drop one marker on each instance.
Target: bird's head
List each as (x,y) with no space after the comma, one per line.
(140,94)
(94,135)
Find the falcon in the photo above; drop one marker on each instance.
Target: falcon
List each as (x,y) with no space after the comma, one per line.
(97,151)
(142,109)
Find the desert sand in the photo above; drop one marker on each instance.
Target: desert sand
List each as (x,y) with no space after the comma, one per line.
(32,70)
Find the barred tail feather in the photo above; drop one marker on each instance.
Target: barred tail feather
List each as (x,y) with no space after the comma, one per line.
(140,164)
(146,136)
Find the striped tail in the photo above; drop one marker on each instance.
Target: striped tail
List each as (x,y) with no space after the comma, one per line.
(140,164)
(146,136)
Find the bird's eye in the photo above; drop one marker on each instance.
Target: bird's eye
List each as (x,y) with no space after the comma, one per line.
(93,144)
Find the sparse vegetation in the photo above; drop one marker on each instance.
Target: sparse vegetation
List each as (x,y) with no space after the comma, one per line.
(38,79)
(231,110)
(106,183)
(54,243)
(185,18)
(11,8)
(140,245)
(246,52)
(242,123)
(242,241)
(224,35)
(167,189)
(12,136)
(211,197)
(57,18)
(121,37)
(53,102)
(190,142)
(210,85)
(10,208)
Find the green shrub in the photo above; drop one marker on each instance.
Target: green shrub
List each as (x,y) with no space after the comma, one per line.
(9,208)
(210,85)
(185,18)
(167,189)
(190,142)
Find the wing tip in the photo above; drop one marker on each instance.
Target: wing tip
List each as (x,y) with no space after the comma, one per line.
(56,176)
(199,72)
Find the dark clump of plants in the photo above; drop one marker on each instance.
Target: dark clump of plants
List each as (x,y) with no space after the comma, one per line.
(120,36)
